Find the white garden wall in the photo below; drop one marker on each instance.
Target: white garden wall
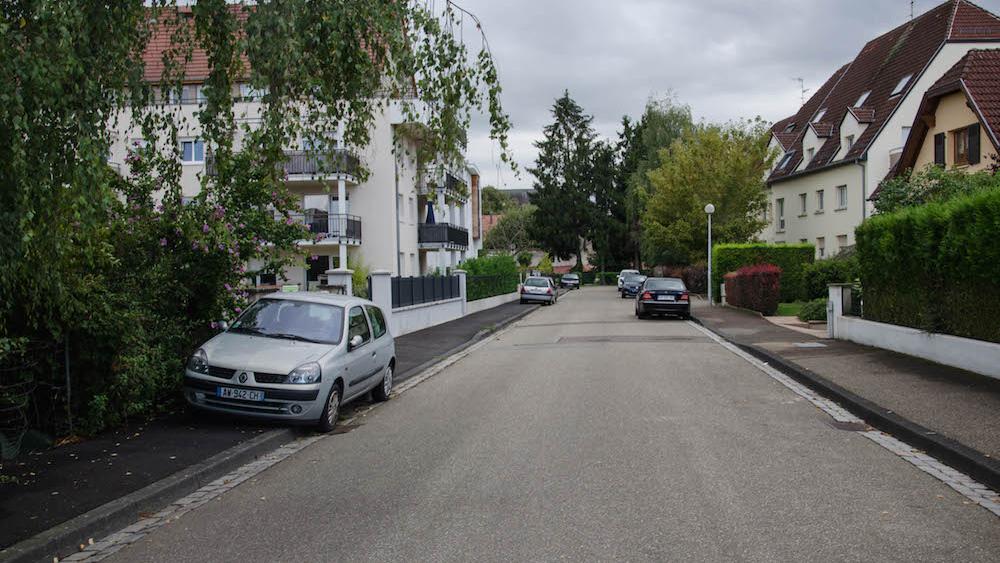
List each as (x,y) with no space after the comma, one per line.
(405,320)
(490,302)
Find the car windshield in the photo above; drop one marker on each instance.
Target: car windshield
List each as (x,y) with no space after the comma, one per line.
(536,282)
(570,277)
(627,273)
(292,320)
(632,278)
(662,283)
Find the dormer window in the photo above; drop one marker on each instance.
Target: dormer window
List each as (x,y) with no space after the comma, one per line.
(819,115)
(862,99)
(902,84)
(810,153)
(789,128)
(786,160)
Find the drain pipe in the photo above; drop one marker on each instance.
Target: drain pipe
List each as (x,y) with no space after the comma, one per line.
(395,163)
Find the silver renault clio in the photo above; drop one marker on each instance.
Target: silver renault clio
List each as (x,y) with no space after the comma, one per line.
(295,357)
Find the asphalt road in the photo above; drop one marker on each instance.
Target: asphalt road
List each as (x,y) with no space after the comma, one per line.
(584,434)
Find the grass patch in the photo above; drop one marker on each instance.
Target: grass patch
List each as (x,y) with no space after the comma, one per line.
(789,309)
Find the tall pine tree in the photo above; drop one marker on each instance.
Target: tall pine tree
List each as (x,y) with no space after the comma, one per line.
(564,182)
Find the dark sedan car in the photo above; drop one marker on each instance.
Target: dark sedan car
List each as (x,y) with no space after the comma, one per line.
(570,281)
(663,296)
(631,285)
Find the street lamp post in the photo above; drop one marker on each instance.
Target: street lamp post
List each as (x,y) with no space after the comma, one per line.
(709,210)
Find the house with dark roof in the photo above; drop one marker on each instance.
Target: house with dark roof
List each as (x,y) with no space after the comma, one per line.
(958,121)
(841,144)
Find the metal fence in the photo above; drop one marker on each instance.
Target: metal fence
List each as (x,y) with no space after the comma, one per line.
(426,289)
(331,225)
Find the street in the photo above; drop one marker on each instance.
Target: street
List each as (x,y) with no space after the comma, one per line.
(581,433)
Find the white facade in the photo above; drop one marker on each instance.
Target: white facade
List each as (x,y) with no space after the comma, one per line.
(376,224)
(833,226)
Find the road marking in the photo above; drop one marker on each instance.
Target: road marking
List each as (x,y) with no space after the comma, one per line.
(960,482)
(99,550)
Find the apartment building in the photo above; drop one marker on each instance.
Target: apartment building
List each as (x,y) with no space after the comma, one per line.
(847,137)
(407,217)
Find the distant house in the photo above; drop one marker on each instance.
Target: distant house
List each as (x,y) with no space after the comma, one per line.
(843,142)
(521,196)
(958,121)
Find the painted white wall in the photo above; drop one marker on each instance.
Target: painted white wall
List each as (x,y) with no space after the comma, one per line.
(491,302)
(405,320)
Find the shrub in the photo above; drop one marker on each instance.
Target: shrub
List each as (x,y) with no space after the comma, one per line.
(490,275)
(935,267)
(820,274)
(754,287)
(814,310)
(790,258)
(695,276)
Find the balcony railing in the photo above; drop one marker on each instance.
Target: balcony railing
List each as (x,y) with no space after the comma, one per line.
(331,226)
(440,177)
(308,163)
(443,235)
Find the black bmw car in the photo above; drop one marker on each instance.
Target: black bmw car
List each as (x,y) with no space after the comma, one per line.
(663,296)
(631,285)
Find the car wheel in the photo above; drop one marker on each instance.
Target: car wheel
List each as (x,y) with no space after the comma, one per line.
(331,411)
(382,391)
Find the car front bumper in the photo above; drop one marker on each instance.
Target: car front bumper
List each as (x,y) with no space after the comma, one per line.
(630,292)
(669,307)
(279,403)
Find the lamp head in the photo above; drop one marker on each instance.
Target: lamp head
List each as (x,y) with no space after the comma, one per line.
(709,209)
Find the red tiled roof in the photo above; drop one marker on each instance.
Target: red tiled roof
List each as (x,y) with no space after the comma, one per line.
(878,68)
(167,23)
(863,115)
(823,129)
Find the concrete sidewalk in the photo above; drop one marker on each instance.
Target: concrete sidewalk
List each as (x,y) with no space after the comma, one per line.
(959,405)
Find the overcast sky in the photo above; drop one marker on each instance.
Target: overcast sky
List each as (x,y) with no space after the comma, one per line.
(724,58)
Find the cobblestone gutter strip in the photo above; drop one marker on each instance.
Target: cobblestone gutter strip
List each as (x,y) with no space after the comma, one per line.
(111,516)
(962,483)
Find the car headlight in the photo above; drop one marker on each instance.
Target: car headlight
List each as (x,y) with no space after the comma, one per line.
(306,373)
(198,362)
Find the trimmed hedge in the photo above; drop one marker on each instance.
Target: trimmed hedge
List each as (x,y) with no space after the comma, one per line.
(820,274)
(791,258)
(814,310)
(491,275)
(754,287)
(935,267)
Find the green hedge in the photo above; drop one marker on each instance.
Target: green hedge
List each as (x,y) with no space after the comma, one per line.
(488,276)
(791,258)
(935,267)
(820,274)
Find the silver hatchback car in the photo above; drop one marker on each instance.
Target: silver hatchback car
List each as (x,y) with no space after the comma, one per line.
(295,356)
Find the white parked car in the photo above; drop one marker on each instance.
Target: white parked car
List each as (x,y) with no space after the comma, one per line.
(296,357)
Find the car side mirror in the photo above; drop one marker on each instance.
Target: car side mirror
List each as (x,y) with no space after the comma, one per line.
(223,325)
(354,342)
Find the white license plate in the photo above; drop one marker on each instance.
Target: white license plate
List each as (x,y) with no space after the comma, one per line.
(665,298)
(242,394)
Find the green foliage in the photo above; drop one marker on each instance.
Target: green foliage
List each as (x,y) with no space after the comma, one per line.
(720,164)
(545,266)
(524,258)
(359,276)
(817,276)
(495,202)
(491,275)
(789,309)
(935,267)
(118,265)
(512,233)
(791,258)
(814,310)
(932,184)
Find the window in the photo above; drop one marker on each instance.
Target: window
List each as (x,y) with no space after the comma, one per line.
(193,94)
(819,201)
(193,151)
(862,99)
(819,115)
(821,246)
(786,160)
(412,210)
(318,265)
(841,242)
(357,325)
(904,135)
(414,267)
(789,128)
(960,140)
(802,205)
(901,84)
(248,92)
(803,241)
(841,197)
(809,155)
(849,142)
(378,321)
(781,214)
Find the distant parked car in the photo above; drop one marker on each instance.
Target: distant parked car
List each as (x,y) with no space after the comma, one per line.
(570,281)
(622,274)
(537,289)
(295,357)
(663,296)
(630,285)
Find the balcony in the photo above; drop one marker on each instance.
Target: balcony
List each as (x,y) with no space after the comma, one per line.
(310,166)
(331,228)
(439,177)
(442,235)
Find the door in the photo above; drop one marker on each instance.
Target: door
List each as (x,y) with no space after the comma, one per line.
(360,367)
(382,340)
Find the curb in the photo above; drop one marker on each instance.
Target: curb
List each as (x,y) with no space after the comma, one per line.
(116,514)
(959,456)
(404,375)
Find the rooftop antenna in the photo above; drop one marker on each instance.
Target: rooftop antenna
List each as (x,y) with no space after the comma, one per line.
(911,9)
(802,89)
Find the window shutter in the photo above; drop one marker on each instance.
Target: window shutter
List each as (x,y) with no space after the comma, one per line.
(939,149)
(974,143)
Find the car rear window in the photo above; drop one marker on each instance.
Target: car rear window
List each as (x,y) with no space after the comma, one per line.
(536,282)
(665,284)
